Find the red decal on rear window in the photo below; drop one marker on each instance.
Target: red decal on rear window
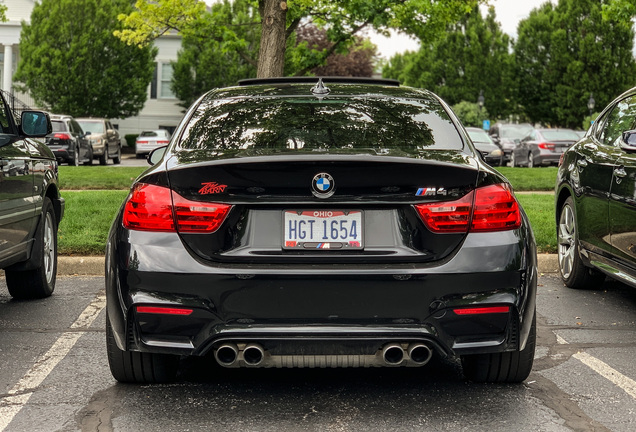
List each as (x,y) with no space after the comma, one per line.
(211,188)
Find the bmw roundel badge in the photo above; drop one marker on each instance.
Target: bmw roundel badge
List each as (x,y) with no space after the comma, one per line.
(323,186)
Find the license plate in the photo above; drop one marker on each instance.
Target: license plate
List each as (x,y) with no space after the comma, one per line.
(322,229)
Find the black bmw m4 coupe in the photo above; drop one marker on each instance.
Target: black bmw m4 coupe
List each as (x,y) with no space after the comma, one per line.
(305,222)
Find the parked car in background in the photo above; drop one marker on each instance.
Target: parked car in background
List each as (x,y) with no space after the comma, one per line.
(542,147)
(149,140)
(508,135)
(492,153)
(595,200)
(30,204)
(68,142)
(104,139)
(293,222)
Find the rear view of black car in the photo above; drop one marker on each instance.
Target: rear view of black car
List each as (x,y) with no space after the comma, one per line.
(68,141)
(296,223)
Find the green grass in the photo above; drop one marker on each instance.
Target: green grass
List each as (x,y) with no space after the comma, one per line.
(87,219)
(89,214)
(98,177)
(530,179)
(540,211)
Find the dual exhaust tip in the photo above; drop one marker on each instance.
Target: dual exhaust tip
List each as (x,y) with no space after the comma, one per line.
(392,354)
(418,353)
(228,353)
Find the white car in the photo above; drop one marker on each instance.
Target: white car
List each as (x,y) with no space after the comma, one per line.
(147,141)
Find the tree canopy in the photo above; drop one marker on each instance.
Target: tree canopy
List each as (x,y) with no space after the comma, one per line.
(278,20)
(471,56)
(566,52)
(73,64)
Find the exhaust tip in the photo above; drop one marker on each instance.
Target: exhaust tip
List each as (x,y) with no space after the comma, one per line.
(420,353)
(253,354)
(226,354)
(393,354)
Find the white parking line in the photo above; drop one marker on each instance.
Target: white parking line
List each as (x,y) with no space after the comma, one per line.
(606,371)
(20,393)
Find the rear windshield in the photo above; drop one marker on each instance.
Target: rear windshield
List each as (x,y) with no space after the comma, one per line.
(514,132)
(560,135)
(148,134)
(59,126)
(297,124)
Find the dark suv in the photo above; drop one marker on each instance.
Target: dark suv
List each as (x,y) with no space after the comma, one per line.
(30,205)
(68,141)
(596,200)
(299,223)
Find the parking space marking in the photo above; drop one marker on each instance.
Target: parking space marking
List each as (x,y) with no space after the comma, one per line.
(623,382)
(20,394)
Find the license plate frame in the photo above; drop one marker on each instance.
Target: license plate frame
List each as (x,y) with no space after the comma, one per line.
(321,229)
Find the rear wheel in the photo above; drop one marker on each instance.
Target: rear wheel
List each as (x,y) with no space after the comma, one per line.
(89,160)
(573,272)
(137,367)
(75,161)
(505,367)
(530,161)
(38,282)
(117,158)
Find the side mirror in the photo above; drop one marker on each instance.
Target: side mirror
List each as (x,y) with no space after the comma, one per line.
(628,140)
(35,123)
(155,156)
(87,133)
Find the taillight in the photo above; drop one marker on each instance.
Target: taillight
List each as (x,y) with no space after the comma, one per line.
(547,146)
(489,208)
(155,208)
(162,310)
(63,136)
(482,310)
(142,142)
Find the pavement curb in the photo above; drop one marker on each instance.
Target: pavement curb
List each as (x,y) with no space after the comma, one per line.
(94,266)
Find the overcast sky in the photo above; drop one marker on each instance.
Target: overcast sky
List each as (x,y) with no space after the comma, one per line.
(509,13)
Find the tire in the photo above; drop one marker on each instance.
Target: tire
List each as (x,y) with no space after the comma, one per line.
(530,161)
(38,282)
(75,161)
(103,159)
(117,158)
(137,367)
(505,367)
(89,161)
(513,160)
(573,272)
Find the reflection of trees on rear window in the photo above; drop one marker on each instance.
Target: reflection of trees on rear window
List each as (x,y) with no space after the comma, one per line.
(329,124)
(59,126)
(148,134)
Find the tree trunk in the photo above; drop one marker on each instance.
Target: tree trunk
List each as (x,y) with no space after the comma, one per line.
(271,56)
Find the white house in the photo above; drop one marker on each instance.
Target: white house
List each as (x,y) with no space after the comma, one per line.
(160,111)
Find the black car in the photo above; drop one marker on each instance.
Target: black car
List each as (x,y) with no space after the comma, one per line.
(492,153)
(69,142)
(30,205)
(595,199)
(296,223)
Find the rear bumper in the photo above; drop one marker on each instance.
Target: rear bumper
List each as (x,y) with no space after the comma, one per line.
(320,309)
